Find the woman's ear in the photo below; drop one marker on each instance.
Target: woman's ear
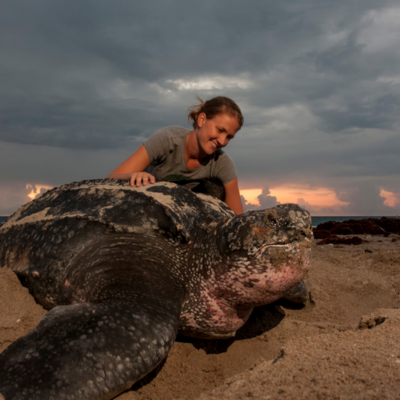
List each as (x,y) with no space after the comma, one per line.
(201,119)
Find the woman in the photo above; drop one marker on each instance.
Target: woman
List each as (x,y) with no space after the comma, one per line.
(193,154)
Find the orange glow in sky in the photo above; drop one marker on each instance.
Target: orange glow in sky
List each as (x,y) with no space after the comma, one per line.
(36,190)
(390,198)
(251,195)
(318,197)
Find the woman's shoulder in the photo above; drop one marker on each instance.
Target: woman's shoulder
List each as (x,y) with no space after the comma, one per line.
(170,136)
(172,131)
(164,140)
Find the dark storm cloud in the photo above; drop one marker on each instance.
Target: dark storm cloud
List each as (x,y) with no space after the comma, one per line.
(60,59)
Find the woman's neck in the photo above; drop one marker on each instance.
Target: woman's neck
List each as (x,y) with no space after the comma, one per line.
(192,148)
(193,153)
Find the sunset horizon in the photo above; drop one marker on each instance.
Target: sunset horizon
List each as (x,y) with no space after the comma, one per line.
(313,199)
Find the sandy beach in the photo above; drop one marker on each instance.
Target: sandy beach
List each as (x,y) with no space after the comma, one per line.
(343,344)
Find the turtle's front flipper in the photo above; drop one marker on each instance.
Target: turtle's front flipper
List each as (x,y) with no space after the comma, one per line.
(297,294)
(89,351)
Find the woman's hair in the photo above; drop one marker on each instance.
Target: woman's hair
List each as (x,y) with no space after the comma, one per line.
(213,107)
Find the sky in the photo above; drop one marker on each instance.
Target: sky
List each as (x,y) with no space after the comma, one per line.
(83,83)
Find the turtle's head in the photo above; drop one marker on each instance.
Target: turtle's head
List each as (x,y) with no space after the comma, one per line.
(255,231)
(267,252)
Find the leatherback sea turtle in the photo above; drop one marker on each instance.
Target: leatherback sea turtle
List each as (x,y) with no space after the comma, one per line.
(125,269)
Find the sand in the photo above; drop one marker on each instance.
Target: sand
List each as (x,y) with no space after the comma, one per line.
(318,351)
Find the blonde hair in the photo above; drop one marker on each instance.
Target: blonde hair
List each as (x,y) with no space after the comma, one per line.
(213,107)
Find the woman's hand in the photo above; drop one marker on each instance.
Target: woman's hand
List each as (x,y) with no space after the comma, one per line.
(138,161)
(137,178)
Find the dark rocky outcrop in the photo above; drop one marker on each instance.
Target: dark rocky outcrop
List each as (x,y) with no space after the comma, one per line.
(370,226)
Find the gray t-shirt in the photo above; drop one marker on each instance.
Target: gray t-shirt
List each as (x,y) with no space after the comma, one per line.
(166,149)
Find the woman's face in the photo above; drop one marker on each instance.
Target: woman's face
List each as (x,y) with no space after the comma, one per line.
(213,134)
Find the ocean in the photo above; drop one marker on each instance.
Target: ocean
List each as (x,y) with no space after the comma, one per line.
(315,220)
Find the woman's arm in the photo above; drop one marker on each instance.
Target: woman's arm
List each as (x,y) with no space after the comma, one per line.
(133,169)
(232,196)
